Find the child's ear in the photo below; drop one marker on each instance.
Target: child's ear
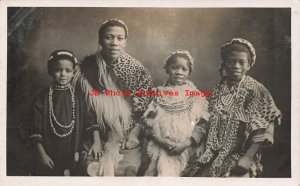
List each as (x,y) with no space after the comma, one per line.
(100,44)
(99,47)
(74,70)
(248,66)
(125,43)
(167,71)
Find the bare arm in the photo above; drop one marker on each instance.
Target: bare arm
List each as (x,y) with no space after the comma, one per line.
(96,147)
(253,149)
(245,161)
(40,149)
(45,159)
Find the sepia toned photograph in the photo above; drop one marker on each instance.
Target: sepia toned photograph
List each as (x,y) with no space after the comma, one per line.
(155,92)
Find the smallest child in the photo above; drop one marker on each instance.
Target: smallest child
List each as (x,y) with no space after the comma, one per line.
(175,122)
(56,119)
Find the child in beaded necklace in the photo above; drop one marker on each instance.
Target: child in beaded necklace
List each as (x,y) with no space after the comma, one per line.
(170,120)
(56,119)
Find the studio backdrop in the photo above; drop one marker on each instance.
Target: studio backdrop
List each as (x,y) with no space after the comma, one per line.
(33,33)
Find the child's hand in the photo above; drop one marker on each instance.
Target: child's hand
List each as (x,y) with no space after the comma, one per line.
(149,133)
(245,162)
(200,150)
(177,149)
(131,142)
(47,161)
(243,166)
(166,144)
(96,149)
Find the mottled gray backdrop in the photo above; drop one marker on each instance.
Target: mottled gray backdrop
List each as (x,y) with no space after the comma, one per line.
(33,33)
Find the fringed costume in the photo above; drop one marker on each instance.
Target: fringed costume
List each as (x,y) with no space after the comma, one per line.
(114,116)
(173,118)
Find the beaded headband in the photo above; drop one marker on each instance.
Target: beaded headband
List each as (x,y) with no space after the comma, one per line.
(58,53)
(181,52)
(244,42)
(116,20)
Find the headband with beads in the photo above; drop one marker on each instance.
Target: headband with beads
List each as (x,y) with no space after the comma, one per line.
(117,20)
(58,53)
(244,42)
(182,52)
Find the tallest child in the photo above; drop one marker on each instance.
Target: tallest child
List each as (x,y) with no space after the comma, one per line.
(116,118)
(242,118)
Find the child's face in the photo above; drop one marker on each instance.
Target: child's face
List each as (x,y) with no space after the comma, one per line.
(178,70)
(113,42)
(63,72)
(236,65)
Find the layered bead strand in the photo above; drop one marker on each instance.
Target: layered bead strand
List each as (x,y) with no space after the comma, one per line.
(51,115)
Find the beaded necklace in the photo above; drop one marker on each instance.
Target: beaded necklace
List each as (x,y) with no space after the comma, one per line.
(182,105)
(178,107)
(51,112)
(62,87)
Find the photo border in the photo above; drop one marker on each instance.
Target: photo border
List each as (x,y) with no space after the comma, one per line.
(295,68)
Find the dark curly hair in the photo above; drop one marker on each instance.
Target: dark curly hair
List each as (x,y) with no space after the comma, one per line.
(171,59)
(58,55)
